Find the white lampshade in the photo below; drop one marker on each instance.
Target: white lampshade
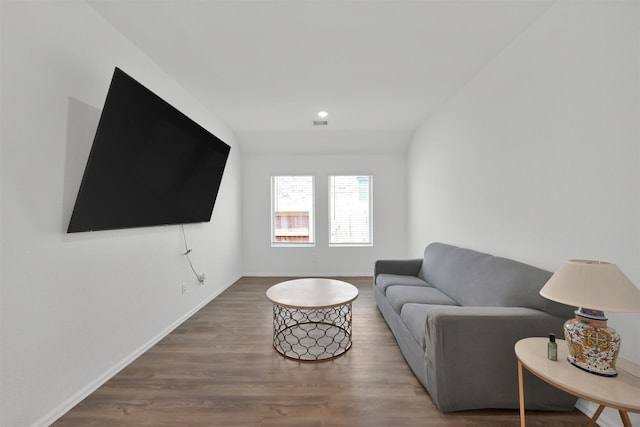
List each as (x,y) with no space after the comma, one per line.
(592,284)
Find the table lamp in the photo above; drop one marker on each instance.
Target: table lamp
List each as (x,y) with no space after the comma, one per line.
(593,286)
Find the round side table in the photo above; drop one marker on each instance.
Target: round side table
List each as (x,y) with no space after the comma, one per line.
(621,392)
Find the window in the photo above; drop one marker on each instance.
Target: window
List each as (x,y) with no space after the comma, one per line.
(292,220)
(350,210)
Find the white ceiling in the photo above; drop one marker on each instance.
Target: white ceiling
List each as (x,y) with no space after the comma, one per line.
(267,67)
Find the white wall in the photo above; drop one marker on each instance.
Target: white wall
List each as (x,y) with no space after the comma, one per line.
(389,214)
(76,308)
(538,157)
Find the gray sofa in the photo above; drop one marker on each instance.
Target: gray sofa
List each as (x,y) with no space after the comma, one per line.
(457,314)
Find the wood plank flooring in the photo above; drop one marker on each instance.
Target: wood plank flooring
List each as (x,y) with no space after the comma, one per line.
(219,368)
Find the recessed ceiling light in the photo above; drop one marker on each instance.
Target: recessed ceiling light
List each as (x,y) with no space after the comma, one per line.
(323,114)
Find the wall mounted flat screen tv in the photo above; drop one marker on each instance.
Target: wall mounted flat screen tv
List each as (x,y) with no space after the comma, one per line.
(149,164)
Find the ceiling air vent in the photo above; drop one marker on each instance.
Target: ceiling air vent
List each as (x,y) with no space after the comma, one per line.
(320,122)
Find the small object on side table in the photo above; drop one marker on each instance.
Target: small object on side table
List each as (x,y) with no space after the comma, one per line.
(552,348)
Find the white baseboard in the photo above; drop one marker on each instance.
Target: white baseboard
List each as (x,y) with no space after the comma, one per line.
(65,406)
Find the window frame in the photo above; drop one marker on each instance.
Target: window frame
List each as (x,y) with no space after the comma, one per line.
(312,216)
(369,243)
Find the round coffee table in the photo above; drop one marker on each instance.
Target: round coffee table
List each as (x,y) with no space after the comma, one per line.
(312,318)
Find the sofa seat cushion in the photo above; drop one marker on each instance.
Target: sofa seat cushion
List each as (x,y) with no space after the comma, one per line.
(414,317)
(383,281)
(400,295)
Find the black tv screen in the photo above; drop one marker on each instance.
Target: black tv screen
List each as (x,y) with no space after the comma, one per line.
(149,164)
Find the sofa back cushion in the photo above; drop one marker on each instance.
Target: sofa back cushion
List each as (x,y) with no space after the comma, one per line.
(477,279)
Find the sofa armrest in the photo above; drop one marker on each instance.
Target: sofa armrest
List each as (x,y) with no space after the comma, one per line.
(404,267)
(470,350)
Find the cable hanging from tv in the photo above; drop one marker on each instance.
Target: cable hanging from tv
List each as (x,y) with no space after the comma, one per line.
(200,277)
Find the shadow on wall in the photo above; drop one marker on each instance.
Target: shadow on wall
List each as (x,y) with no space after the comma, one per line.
(82,124)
